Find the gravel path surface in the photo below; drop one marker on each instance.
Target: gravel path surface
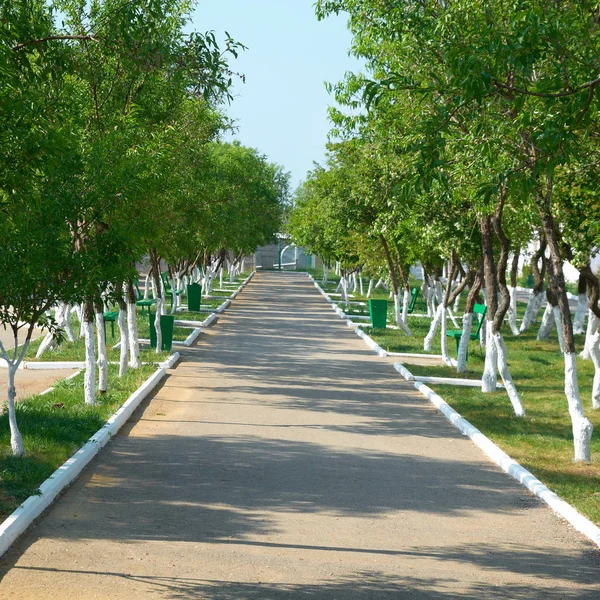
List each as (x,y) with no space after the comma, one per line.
(283,459)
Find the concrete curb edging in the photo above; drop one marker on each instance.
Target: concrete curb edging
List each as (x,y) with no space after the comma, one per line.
(505,462)
(15,524)
(582,524)
(190,339)
(357,330)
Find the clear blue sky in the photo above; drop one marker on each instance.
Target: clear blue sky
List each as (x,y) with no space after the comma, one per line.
(282,108)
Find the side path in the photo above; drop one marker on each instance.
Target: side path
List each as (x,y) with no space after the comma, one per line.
(282,459)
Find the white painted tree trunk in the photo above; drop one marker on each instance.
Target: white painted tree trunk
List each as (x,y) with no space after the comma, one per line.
(79,313)
(558,323)
(582,428)
(325,274)
(381,283)
(463,346)
(124,348)
(398,317)
(457,303)
(221,277)
(154,290)
(102,355)
(67,324)
(580,312)
(489,378)
(534,303)
(595,354)
(547,323)
(157,327)
(89,380)
(174,295)
(444,340)
(344,284)
(370,288)
(242,265)
(134,343)
(438,291)
(16,441)
(47,343)
(405,303)
(360,281)
(147,286)
(161,305)
(433,329)
(592,326)
(431,310)
(509,385)
(232,274)
(512,312)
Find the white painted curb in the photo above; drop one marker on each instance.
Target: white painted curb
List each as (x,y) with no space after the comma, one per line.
(190,339)
(503,460)
(208,322)
(413,355)
(24,515)
(361,334)
(223,306)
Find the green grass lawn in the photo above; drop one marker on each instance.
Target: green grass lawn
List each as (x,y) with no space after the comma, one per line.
(68,351)
(54,427)
(542,441)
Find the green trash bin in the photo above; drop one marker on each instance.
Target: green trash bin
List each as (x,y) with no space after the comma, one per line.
(378,312)
(194,297)
(167,324)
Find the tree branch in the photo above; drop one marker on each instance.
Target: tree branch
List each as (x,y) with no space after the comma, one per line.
(52,38)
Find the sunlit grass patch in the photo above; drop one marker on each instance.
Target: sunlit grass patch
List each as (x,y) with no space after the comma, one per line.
(54,426)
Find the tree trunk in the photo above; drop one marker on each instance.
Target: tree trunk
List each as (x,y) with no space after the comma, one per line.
(427,344)
(496,337)
(132,330)
(67,324)
(89,380)
(594,345)
(535,297)
(582,428)
(102,355)
(159,301)
(512,310)
(582,306)
(463,345)
(489,380)
(16,441)
(124,347)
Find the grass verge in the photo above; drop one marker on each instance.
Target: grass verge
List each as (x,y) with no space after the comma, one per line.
(542,441)
(54,427)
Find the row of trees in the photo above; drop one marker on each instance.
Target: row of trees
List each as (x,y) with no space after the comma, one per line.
(474,137)
(110,151)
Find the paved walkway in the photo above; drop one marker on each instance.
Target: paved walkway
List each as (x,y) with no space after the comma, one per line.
(283,459)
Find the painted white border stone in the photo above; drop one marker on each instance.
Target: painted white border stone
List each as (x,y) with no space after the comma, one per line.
(497,455)
(24,515)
